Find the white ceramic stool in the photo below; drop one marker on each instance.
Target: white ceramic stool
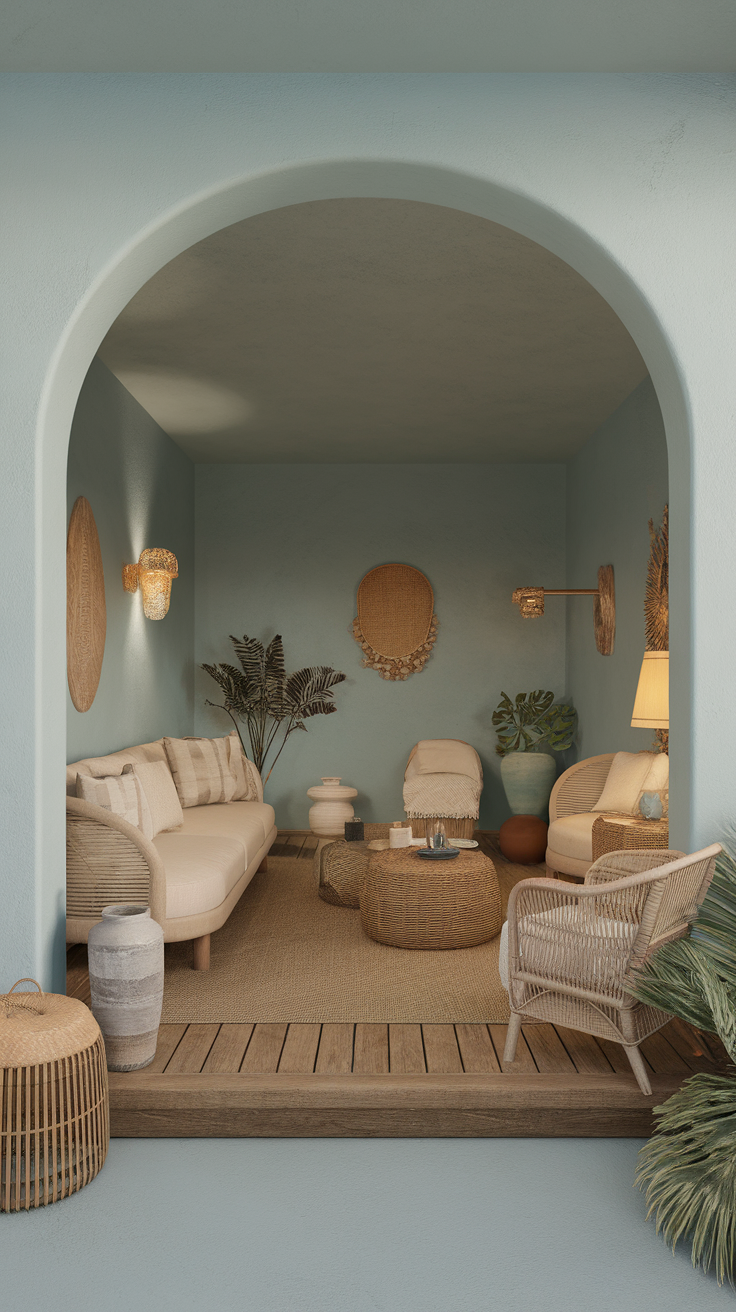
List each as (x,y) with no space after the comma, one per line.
(331,807)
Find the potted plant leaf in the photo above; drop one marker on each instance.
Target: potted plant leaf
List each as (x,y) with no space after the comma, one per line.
(688,1167)
(525,727)
(270,703)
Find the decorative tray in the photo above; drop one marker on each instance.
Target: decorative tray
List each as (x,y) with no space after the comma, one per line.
(438,853)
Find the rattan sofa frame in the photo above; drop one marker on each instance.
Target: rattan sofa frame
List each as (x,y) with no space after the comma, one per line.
(573,948)
(110,861)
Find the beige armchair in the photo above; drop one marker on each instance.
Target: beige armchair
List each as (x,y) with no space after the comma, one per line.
(571,815)
(571,947)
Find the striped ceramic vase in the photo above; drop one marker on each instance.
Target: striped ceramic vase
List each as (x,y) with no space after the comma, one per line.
(126,977)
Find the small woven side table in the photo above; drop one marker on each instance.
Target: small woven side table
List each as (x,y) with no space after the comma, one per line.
(616,832)
(341,871)
(54,1117)
(408,901)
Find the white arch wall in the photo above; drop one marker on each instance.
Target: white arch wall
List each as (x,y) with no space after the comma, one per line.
(108,178)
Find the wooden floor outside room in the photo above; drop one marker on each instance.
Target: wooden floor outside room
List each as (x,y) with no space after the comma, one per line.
(290,1078)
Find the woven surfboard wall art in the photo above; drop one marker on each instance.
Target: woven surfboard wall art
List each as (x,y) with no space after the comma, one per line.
(86,617)
(396,626)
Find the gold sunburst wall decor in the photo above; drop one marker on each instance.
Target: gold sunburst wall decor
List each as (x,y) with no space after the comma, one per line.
(657,596)
(396,626)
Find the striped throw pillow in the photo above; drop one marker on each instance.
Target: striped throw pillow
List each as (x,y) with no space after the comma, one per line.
(120,793)
(244,772)
(160,791)
(201,770)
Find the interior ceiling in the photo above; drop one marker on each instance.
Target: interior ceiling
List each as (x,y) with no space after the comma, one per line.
(350,36)
(372,330)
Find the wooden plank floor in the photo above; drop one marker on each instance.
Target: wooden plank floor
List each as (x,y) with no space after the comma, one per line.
(391,1080)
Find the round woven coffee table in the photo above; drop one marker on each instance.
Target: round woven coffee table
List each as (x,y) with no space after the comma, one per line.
(614,833)
(410,902)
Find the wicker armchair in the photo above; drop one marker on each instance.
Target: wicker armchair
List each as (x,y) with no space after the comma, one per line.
(572,800)
(571,947)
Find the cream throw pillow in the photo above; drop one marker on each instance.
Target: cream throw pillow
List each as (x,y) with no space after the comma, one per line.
(658,781)
(160,790)
(625,782)
(243,771)
(201,770)
(122,794)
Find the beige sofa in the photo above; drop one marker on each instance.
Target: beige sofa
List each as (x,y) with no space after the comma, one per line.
(191,877)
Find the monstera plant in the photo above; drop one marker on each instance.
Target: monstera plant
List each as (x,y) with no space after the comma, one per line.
(525,726)
(270,703)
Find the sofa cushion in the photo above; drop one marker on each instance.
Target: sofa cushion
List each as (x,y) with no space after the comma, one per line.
(97,766)
(159,787)
(120,793)
(249,822)
(201,770)
(572,835)
(625,782)
(200,872)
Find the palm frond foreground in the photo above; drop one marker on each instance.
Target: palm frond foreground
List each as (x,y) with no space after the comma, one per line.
(688,1167)
(268,701)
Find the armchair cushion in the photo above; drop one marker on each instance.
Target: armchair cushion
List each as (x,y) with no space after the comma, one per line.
(575,946)
(625,783)
(572,835)
(631,774)
(586,950)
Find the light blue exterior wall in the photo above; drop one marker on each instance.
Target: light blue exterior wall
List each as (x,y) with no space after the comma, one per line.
(282,549)
(615,485)
(106,178)
(140,486)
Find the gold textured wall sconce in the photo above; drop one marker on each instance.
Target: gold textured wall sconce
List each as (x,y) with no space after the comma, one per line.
(153,574)
(531,605)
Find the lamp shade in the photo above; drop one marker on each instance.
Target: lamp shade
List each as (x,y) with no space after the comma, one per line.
(652,701)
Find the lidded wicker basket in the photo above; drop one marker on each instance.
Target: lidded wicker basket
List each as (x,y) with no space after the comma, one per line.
(54,1113)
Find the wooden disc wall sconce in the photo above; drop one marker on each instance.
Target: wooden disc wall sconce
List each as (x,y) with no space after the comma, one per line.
(531,604)
(86,616)
(396,626)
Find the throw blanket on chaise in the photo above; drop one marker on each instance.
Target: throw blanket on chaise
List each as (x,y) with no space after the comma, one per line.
(444,777)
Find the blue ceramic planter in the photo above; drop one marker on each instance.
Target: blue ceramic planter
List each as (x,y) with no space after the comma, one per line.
(527,778)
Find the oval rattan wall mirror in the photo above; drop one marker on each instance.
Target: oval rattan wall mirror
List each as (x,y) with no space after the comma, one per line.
(396,626)
(86,616)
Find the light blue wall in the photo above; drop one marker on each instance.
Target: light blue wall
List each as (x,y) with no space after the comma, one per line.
(616,484)
(141,490)
(282,549)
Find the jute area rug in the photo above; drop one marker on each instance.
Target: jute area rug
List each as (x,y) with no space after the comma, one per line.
(285,955)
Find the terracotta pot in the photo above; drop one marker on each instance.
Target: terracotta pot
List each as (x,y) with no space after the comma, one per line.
(523,839)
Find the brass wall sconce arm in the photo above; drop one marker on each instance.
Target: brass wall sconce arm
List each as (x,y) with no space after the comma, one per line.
(153,574)
(531,605)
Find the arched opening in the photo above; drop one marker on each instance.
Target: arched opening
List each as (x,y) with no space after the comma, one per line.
(206,215)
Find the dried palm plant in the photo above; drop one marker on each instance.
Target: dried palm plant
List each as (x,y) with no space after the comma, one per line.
(688,1167)
(269,701)
(656,599)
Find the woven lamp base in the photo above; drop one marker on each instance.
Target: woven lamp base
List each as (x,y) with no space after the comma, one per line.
(54,1114)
